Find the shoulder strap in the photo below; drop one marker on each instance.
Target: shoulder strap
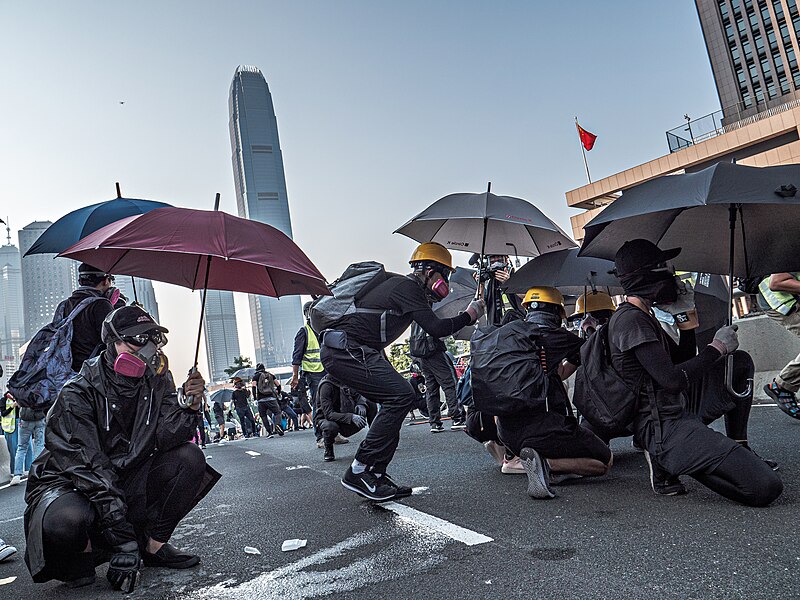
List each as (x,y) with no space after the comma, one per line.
(76,311)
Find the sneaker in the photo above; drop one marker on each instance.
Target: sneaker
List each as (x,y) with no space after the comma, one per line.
(513,466)
(369,486)
(767,461)
(662,482)
(458,426)
(785,399)
(403,491)
(16,480)
(340,439)
(498,451)
(320,444)
(170,557)
(538,473)
(562,478)
(437,428)
(328,456)
(279,430)
(6,551)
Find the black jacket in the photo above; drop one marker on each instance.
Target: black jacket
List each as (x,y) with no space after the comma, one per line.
(87,448)
(87,325)
(337,405)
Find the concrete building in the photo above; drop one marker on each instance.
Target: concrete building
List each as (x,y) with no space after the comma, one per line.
(12,314)
(46,280)
(144,292)
(261,196)
(221,333)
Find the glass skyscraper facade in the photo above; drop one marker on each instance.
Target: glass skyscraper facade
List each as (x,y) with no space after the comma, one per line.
(12,314)
(261,196)
(221,333)
(144,292)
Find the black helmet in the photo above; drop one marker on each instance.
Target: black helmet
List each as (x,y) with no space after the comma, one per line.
(260,367)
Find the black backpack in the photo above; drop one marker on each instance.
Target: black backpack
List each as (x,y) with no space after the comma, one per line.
(422,345)
(601,395)
(507,375)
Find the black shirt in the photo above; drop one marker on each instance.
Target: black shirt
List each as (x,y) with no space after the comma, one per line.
(240,397)
(559,345)
(87,325)
(405,300)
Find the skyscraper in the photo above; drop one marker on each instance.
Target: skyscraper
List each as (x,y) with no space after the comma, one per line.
(261,196)
(753,49)
(12,315)
(46,280)
(144,292)
(221,332)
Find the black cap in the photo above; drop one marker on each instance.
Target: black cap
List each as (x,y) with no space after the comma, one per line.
(87,269)
(641,254)
(260,367)
(132,320)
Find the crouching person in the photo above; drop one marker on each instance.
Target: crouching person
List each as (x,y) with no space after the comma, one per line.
(118,472)
(344,412)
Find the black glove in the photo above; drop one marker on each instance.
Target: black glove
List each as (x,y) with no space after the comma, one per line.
(123,568)
(361,410)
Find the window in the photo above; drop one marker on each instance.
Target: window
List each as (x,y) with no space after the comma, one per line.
(765,67)
(784,85)
(261,148)
(776,4)
(267,195)
(735,54)
(753,72)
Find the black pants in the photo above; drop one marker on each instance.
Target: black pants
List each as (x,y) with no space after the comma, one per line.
(330,429)
(481,427)
(270,409)
(371,375)
(439,371)
(247,421)
(201,428)
(709,399)
(158,495)
(312,384)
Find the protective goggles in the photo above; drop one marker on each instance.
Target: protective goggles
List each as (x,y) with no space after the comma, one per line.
(140,339)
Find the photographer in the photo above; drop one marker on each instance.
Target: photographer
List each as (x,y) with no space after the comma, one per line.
(500,307)
(118,472)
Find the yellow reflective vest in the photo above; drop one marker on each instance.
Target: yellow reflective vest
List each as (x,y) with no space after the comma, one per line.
(9,422)
(311,362)
(783,302)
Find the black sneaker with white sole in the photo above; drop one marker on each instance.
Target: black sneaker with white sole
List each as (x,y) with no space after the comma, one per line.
(403,491)
(437,428)
(367,485)
(662,482)
(458,426)
(538,472)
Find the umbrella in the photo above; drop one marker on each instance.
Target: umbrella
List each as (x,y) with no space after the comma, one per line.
(462,290)
(751,211)
(221,396)
(245,374)
(568,272)
(202,249)
(487,224)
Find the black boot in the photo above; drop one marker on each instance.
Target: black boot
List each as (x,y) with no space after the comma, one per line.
(328,457)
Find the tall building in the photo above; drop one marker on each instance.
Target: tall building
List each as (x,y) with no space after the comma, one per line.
(145,293)
(753,49)
(46,280)
(221,332)
(12,315)
(261,196)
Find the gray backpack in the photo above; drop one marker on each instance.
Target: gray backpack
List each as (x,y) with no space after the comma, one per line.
(328,312)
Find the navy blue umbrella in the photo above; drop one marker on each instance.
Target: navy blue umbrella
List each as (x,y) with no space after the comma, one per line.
(74,226)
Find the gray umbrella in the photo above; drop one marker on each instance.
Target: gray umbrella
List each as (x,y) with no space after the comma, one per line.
(487,224)
(566,271)
(462,290)
(221,396)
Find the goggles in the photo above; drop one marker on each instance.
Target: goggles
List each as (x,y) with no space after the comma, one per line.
(140,339)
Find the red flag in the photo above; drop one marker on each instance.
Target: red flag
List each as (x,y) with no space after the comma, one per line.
(587,138)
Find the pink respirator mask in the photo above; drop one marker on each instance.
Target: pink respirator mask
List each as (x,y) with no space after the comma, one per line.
(135,364)
(440,289)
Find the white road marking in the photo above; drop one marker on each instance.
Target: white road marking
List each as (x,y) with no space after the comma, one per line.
(419,490)
(12,520)
(252,453)
(765,404)
(455,532)
(297,467)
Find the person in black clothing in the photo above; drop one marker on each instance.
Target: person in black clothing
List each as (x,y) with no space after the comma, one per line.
(265,389)
(500,307)
(676,442)
(344,412)
(353,354)
(118,472)
(307,366)
(219,416)
(285,404)
(552,439)
(241,405)
(94,283)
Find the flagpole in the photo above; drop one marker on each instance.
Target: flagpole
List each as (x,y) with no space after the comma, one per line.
(583,151)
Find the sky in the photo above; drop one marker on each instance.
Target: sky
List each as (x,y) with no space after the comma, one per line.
(382,107)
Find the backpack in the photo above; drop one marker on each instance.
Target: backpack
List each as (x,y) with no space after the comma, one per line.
(420,344)
(601,395)
(507,374)
(328,312)
(265,386)
(47,363)
(464,389)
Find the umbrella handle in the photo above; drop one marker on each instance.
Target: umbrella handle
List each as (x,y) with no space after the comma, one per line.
(748,391)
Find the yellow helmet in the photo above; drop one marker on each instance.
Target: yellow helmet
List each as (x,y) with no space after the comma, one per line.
(595,301)
(543,294)
(433,252)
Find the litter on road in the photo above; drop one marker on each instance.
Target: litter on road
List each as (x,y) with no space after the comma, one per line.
(251,550)
(295,544)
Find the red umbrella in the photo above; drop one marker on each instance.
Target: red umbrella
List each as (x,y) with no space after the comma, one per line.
(202,249)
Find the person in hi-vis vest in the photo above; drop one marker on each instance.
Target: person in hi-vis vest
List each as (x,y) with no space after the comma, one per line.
(307,364)
(780,291)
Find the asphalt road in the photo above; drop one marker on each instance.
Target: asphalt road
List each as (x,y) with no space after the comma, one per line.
(604,538)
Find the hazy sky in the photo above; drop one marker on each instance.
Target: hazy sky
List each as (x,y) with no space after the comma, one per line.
(382,109)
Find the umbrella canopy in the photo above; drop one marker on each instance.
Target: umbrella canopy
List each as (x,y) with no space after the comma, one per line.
(245,374)
(487,224)
(462,291)
(566,271)
(221,396)
(190,247)
(79,223)
(693,211)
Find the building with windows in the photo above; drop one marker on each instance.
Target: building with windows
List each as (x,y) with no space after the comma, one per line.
(261,196)
(221,333)
(145,293)
(46,280)
(12,314)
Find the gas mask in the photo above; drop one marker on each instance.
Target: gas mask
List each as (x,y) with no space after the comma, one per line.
(441,288)
(113,295)
(137,363)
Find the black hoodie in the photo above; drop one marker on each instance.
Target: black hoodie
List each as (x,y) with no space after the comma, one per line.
(87,325)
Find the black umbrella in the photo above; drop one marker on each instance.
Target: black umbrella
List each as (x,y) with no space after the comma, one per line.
(462,290)
(568,272)
(221,396)
(750,211)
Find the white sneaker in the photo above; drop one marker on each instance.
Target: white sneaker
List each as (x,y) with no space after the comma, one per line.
(340,439)
(497,451)
(6,551)
(513,466)
(16,480)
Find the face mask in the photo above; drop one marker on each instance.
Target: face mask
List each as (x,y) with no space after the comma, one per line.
(440,289)
(113,294)
(657,286)
(135,364)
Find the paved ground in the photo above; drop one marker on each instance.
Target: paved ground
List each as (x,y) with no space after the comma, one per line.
(609,538)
